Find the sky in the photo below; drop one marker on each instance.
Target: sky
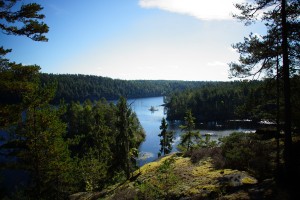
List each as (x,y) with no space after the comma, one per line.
(136,39)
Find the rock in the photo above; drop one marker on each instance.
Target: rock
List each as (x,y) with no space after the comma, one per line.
(237,179)
(183,179)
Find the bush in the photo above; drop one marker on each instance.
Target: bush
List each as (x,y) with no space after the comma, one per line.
(200,153)
(244,151)
(241,151)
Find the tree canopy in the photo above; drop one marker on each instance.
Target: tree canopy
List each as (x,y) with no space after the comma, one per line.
(277,51)
(260,54)
(166,138)
(16,79)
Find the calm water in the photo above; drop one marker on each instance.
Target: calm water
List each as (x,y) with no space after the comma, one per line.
(151,122)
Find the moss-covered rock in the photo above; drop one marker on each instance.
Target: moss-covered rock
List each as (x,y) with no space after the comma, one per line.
(176,177)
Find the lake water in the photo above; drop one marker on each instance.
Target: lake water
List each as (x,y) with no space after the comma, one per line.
(151,121)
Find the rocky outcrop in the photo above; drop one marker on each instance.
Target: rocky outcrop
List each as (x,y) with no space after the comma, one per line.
(176,177)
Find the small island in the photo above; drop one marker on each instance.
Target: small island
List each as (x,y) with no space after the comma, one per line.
(152,109)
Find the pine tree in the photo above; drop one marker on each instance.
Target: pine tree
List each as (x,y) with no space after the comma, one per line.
(124,135)
(16,79)
(189,135)
(38,144)
(262,55)
(166,138)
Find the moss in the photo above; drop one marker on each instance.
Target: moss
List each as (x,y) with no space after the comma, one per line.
(152,166)
(182,162)
(203,190)
(192,180)
(192,191)
(205,169)
(249,180)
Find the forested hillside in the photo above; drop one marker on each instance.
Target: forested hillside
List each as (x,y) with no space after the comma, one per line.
(81,87)
(255,100)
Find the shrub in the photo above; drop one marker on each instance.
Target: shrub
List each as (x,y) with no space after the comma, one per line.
(244,151)
(200,153)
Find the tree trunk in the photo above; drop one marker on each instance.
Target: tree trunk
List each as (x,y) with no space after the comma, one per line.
(277,118)
(286,80)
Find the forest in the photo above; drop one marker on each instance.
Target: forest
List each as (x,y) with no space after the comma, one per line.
(67,147)
(80,87)
(239,100)
(62,136)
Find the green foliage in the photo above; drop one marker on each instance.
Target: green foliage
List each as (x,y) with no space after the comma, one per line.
(258,55)
(166,179)
(124,135)
(93,171)
(82,87)
(206,142)
(89,126)
(61,157)
(206,148)
(128,127)
(166,138)
(166,175)
(24,20)
(244,151)
(254,100)
(149,191)
(89,160)
(214,153)
(16,81)
(38,145)
(104,139)
(272,55)
(189,137)
(217,102)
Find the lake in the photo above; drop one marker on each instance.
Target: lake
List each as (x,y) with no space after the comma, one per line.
(151,121)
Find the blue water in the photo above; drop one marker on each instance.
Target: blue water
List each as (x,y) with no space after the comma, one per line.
(151,122)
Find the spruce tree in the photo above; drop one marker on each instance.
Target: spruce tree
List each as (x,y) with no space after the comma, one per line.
(123,139)
(166,138)
(190,135)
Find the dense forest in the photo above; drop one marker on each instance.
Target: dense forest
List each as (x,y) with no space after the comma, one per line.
(67,148)
(239,100)
(80,87)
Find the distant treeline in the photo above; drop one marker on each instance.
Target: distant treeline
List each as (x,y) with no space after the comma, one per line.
(81,87)
(216,102)
(254,100)
(208,101)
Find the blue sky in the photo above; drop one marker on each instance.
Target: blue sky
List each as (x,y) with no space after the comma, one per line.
(136,39)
